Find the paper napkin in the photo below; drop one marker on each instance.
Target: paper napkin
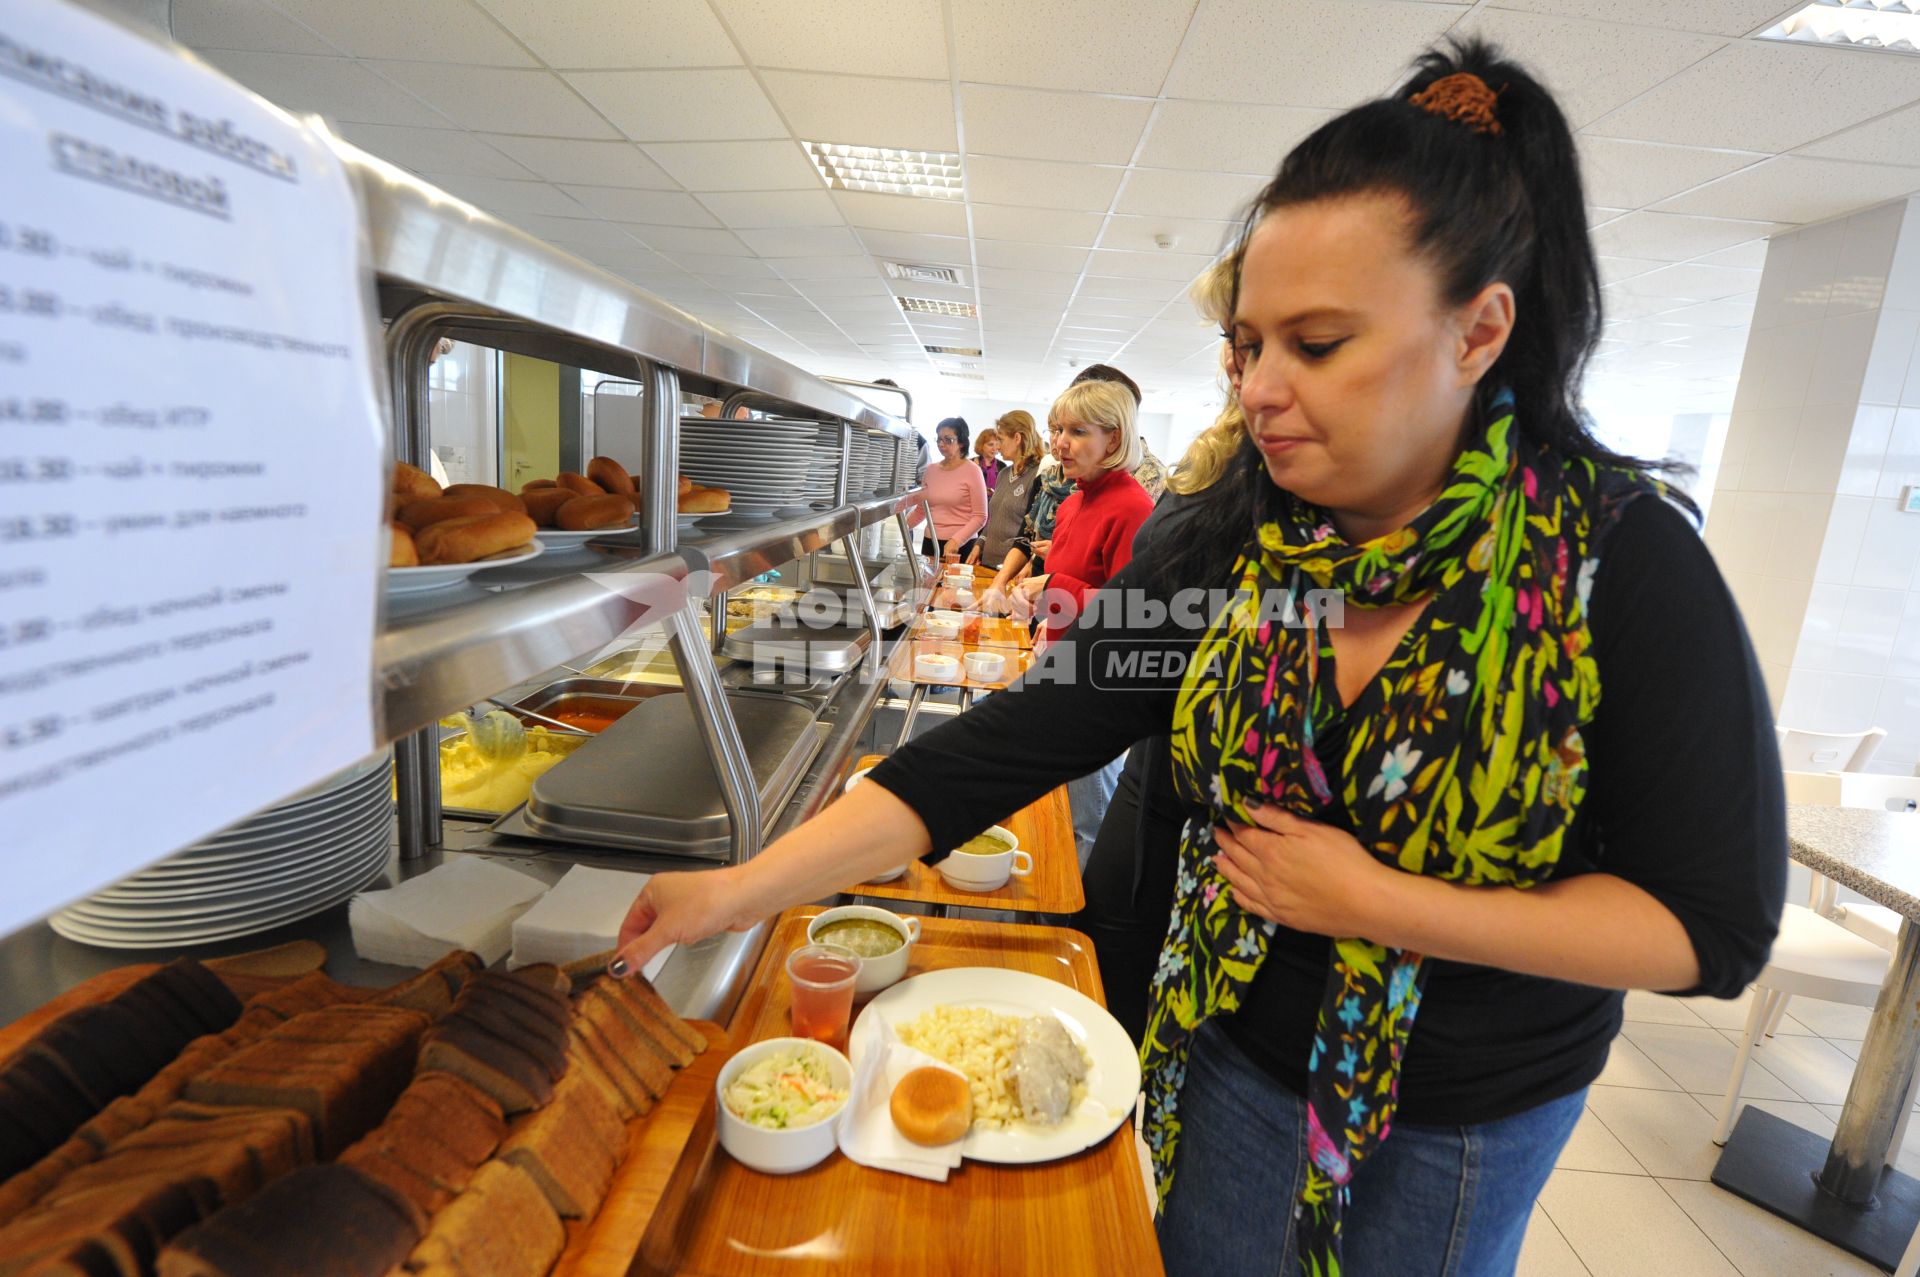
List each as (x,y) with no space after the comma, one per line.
(867,1133)
(581,916)
(467,903)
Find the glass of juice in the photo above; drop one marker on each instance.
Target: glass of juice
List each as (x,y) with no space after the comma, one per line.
(822,976)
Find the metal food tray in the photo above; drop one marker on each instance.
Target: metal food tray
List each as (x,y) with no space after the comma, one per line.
(647,783)
(832,649)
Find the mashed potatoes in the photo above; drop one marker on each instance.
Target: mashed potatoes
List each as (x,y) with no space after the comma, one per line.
(471,782)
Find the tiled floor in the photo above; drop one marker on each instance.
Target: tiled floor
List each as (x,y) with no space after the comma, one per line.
(1630,1197)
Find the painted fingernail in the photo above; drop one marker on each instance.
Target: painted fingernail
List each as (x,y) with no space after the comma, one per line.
(618,968)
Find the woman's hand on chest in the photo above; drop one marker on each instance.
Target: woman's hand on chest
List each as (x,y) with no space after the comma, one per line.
(1303,874)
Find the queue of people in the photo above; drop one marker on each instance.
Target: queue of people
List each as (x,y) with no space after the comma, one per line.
(1385,867)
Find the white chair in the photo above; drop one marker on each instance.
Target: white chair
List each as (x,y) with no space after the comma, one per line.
(1803,751)
(1814,958)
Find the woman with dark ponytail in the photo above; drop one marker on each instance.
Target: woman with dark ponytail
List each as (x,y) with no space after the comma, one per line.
(1469,736)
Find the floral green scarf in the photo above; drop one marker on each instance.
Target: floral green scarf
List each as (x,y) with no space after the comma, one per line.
(1462,760)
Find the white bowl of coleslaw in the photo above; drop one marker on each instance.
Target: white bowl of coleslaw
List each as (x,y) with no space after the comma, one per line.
(780,1102)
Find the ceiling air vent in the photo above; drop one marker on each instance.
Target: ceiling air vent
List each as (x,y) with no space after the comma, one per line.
(971,352)
(963,376)
(924,273)
(933,306)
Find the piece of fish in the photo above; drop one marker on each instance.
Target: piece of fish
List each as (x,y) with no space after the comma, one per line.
(1051,1036)
(1043,1087)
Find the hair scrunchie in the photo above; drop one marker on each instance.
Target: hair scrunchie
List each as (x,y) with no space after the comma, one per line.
(1463,98)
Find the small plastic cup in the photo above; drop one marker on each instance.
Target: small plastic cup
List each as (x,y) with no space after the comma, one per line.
(822,977)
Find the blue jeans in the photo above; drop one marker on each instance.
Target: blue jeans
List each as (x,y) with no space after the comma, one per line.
(1432,1201)
(1087,799)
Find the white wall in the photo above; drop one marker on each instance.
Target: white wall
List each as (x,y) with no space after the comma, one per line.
(461,413)
(1825,434)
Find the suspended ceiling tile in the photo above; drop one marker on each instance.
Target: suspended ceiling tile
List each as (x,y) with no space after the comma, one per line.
(1033,282)
(720,266)
(737,166)
(1716,17)
(688,239)
(1615,269)
(1152,264)
(1116,46)
(1054,257)
(903,213)
(1187,235)
(618,33)
(1728,312)
(1592,67)
(822,267)
(1635,174)
(855,37)
(1748,255)
(500,100)
(1165,193)
(1318,53)
(1616,305)
(434,152)
(903,246)
(1132,289)
(870,287)
(859,111)
(1035,225)
(242,24)
(509,196)
(681,105)
(574,230)
(1674,237)
(1078,126)
(584,163)
(1791,188)
(1892,139)
(761,209)
(338,88)
(1227,137)
(1040,183)
(1693,280)
(419,30)
(794,241)
(663,208)
(1734,98)
(1089,309)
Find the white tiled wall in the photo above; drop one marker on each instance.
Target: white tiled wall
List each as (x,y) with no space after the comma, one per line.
(1825,435)
(461,409)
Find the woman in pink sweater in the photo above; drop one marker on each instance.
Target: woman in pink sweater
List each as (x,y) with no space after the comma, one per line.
(957,491)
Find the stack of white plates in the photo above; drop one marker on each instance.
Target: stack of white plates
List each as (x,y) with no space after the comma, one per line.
(823,464)
(296,858)
(903,465)
(876,461)
(763,464)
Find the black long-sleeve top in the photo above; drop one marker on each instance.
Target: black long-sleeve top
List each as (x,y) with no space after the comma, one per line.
(1684,801)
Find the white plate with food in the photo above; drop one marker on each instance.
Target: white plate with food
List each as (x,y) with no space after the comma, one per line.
(968,1016)
(562,539)
(441,575)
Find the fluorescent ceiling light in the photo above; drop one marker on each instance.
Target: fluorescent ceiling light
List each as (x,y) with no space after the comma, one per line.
(887,171)
(1861,24)
(935,306)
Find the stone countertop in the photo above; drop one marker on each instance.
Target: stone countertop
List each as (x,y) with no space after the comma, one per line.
(1876,853)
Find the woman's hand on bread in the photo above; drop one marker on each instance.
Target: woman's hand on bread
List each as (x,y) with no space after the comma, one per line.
(679,908)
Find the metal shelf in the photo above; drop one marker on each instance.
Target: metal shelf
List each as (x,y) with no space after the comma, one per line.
(446,269)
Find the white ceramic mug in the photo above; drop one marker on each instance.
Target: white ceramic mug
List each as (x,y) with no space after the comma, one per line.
(985,667)
(875,973)
(968,871)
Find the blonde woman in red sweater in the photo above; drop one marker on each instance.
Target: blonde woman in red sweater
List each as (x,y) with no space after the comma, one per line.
(1093,532)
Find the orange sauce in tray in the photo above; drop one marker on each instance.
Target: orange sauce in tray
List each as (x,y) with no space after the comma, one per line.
(590,713)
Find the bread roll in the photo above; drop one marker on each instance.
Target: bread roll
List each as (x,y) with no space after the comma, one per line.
(544,503)
(414,483)
(401,552)
(501,498)
(420,514)
(611,475)
(475,537)
(534,484)
(932,1106)
(705,501)
(686,485)
(580,484)
(586,514)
